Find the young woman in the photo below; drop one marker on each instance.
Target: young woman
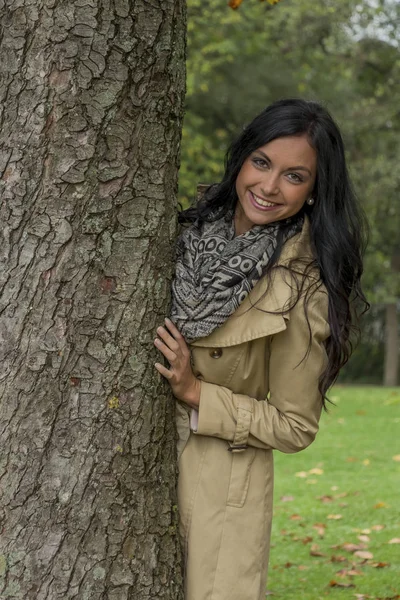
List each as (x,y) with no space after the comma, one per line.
(267,277)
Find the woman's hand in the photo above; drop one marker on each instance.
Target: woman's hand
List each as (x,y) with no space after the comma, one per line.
(172,345)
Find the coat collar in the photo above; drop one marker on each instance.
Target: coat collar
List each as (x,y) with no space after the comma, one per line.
(253,318)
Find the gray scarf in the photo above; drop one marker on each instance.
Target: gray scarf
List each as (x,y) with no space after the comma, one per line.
(216,270)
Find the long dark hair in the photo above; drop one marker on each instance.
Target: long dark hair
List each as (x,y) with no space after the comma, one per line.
(337,224)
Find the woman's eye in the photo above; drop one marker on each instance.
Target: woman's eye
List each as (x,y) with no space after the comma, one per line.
(295,177)
(260,162)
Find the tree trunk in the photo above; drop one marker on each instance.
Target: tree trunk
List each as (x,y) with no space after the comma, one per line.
(391,346)
(91,108)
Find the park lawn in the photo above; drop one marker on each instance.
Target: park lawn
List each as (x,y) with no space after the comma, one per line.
(345,485)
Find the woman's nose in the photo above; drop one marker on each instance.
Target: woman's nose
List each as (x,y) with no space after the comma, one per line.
(269,184)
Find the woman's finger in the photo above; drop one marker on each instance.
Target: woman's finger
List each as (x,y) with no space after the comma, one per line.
(168,339)
(168,353)
(164,371)
(174,330)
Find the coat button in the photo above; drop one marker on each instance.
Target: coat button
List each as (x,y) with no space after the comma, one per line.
(216,353)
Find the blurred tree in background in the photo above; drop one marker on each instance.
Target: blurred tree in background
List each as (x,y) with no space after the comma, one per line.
(344,53)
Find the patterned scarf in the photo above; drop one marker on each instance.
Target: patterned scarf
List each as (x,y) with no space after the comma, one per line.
(216,270)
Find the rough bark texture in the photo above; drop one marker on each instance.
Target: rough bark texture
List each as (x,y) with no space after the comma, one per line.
(391,345)
(91,99)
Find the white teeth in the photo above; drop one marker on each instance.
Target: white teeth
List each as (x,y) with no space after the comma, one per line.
(262,202)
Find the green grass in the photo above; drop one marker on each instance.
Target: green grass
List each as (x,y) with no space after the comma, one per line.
(354,450)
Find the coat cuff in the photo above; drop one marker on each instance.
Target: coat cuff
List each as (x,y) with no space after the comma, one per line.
(225,415)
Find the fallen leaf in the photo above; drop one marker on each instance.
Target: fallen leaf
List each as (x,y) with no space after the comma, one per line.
(348,572)
(334,488)
(396,457)
(325,499)
(364,538)
(366,462)
(316,471)
(353,547)
(379,565)
(288,565)
(394,541)
(302,568)
(341,495)
(338,558)
(287,498)
(295,517)
(307,540)
(378,527)
(320,528)
(314,551)
(301,474)
(334,517)
(351,459)
(366,531)
(334,583)
(364,554)
(380,505)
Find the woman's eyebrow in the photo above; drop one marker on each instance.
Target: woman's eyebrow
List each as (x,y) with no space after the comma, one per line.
(298,168)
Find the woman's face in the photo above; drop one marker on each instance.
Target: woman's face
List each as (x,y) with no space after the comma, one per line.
(274,182)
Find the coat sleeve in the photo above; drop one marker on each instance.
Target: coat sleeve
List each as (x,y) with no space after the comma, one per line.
(288,420)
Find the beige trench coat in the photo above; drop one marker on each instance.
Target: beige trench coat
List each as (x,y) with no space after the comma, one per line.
(259,392)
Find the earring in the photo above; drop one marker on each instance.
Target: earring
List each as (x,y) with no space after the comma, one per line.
(310,201)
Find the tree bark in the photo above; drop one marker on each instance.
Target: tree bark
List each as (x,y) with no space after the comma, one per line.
(91,109)
(391,346)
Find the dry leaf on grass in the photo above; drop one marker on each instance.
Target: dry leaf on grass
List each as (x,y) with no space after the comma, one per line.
(364,538)
(379,565)
(353,547)
(301,474)
(314,551)
(396,457)
(394,541)
(338,558)
(325,499)
(320,528)
(295,517)
(334,517)
(287,498)
(364,554)
(348,572)
(378,527)
(307,540)
(316,471)
(334,583)
(380,505)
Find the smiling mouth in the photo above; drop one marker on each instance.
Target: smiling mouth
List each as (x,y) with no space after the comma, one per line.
(262,202)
